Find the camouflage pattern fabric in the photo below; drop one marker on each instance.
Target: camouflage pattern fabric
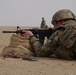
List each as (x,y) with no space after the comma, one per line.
(56,44)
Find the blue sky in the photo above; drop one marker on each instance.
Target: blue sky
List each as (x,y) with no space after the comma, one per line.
(28,13)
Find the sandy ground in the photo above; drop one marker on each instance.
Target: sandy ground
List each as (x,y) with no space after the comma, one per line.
(44,66)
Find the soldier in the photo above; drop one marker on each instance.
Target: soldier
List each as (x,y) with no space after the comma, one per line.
(62,43)
(43,24)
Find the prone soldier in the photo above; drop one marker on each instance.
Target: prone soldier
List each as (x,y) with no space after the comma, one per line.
(62,43)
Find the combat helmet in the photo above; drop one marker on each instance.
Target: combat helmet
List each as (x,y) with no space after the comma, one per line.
(62,15)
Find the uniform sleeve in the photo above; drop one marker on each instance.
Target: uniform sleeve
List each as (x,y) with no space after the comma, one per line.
(47,49)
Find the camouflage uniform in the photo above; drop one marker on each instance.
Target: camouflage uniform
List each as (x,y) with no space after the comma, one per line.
(62,42)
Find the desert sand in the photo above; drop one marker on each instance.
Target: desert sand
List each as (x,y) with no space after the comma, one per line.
(43,66)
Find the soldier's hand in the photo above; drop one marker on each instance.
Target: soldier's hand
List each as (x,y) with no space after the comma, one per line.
(27,33)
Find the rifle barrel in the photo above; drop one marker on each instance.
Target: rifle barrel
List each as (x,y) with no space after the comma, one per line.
(9,31)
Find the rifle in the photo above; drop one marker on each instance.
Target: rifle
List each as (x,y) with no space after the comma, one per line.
(41,33)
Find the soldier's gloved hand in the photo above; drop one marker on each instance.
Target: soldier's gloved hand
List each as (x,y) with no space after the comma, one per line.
(27,33)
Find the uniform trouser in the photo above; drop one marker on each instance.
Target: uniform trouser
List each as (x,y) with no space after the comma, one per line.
(64,53)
